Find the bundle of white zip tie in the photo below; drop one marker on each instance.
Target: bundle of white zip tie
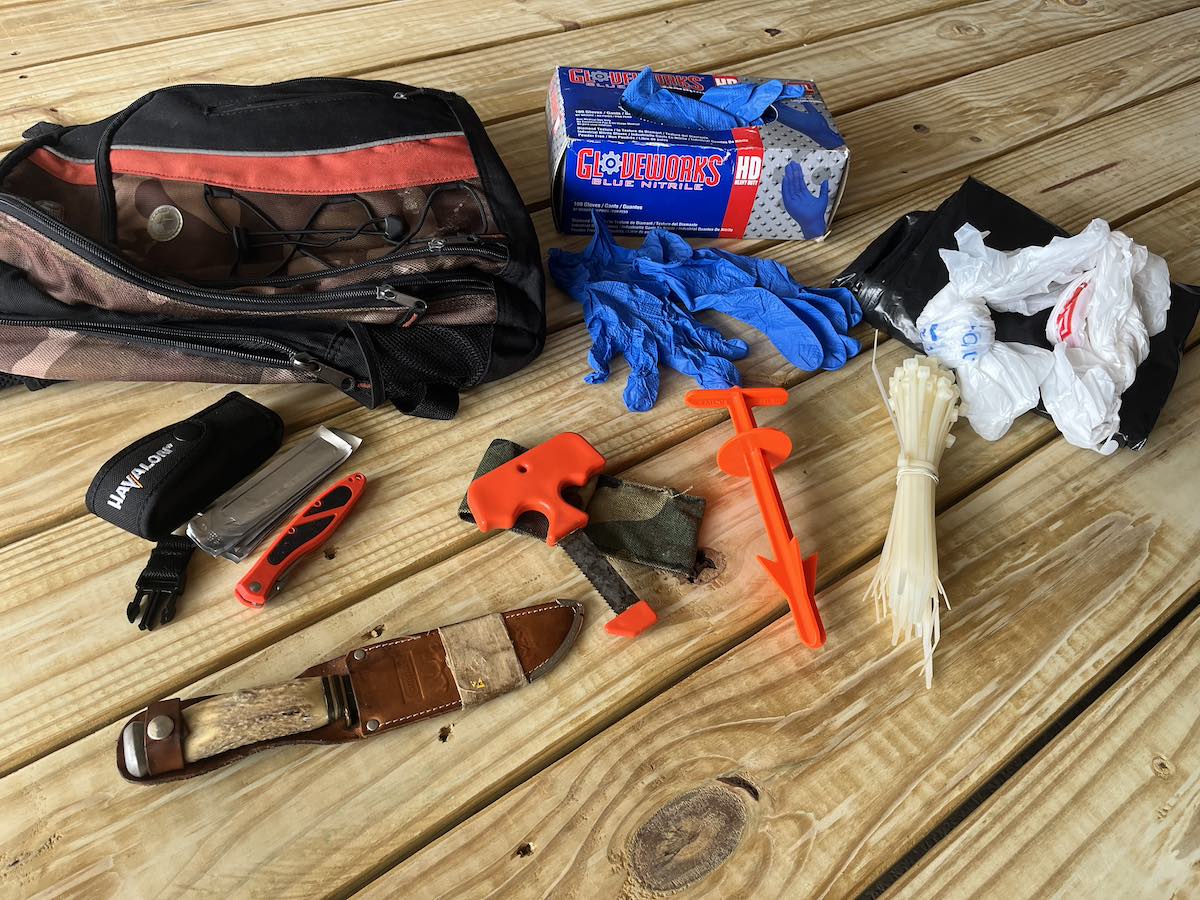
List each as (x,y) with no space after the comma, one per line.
(923,406)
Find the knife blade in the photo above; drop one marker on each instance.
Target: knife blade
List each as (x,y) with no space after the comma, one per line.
(304,534)
(365,691)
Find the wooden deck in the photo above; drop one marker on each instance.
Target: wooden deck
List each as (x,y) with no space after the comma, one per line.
(1057,753)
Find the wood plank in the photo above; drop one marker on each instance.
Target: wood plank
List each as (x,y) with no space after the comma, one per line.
(386,798)
(83,89)
(377,807)
(705,34)
(55,500)
(910,140)
(1175,222)
(45,32)
(78,403)
(780,772)
(409,509)
(857,53)
(1107,810)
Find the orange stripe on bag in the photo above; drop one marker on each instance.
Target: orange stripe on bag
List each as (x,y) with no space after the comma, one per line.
(380,168)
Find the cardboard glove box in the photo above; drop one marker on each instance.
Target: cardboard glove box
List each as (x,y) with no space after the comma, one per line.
(781,180)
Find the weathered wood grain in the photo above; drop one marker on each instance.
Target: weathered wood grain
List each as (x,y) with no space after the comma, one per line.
(392,795)
(853,64)
(825,767)
(81,90)
(838,514)
(39,33)
(82,404)
(52,500)
(1107,810)
(913,139)
(406,507)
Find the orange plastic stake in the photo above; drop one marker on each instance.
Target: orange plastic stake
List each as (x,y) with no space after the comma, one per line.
(752,453)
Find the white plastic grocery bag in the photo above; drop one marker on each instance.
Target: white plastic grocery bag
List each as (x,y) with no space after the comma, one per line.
(1107,296)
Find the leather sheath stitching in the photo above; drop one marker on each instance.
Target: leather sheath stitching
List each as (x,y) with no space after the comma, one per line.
(393,642)
(531,612)
(422,712)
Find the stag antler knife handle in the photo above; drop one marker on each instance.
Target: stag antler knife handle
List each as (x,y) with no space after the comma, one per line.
(244,717)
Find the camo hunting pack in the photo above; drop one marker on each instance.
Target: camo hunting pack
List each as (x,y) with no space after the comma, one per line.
(360,233)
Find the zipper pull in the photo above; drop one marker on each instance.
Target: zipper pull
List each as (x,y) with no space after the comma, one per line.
(436,245)
(322,371)
(416,307)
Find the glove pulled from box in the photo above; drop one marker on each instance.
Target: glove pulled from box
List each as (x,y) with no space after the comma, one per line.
(639,303)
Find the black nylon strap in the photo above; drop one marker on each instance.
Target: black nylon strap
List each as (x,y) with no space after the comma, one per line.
(106,189)
(430,401)
(161,583)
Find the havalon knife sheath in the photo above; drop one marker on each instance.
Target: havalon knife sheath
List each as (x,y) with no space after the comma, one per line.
(366,691)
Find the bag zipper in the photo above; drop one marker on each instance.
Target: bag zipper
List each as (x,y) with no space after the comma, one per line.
(294,100)
(303,363)
(461,245)
(386,296)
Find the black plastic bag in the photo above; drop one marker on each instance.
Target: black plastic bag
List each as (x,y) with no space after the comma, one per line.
(901,270)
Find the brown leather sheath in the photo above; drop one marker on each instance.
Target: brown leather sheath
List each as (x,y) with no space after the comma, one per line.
(378,687)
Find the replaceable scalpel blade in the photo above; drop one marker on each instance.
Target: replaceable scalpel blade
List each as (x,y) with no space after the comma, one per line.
(241,517)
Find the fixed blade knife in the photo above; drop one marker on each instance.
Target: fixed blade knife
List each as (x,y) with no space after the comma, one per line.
(363,692)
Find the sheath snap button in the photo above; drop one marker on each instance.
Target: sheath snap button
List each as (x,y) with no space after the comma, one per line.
(359,654)
(372,724)
(160,727)
(187,431)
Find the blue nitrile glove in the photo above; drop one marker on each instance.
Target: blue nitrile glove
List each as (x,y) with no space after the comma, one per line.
(807,210)
(634,317)
(717,109)
(808,120)
(807,326)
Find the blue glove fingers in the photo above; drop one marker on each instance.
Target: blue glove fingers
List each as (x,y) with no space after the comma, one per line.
(844,298)
(695,278)
(709,369)
(852,346)
(646,99)
(807,210)
(808,120)
(828,307)
(641,387)
(719,108)
(717,344)
(718,373)
(601,323)
(793,336)
(833,351)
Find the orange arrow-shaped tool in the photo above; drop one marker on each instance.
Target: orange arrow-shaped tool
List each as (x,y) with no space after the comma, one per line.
(752,453)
